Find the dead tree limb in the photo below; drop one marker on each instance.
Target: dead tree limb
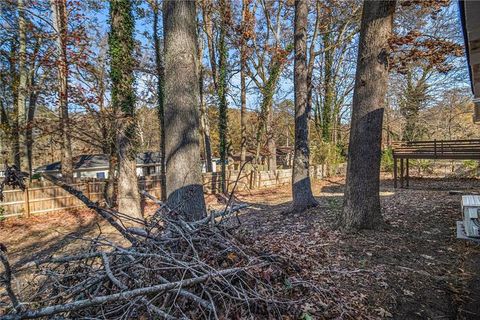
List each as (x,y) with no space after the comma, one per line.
(122,296)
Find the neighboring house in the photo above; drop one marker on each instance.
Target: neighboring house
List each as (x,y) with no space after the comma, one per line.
(96,166)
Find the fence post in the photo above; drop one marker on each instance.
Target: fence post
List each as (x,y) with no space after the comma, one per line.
(26,203)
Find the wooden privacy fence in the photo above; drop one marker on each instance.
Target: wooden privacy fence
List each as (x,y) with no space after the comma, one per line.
(44,197)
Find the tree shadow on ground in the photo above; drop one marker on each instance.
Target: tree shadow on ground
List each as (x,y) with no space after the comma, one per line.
(52,245)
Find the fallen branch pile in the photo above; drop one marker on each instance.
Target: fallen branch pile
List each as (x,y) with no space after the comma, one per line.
(167,268)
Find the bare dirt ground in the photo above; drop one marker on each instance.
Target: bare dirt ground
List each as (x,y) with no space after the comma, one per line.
(414,268)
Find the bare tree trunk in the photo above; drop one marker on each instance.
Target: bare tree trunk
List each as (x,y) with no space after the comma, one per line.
(207,20)
(362,200)
(14,132)
(59,21)
(204,123)
(184,176)
(160,96)
(301,186)
(121,44)
(32,105)
(243,90)
(271,143)
(222,94)
(22,85)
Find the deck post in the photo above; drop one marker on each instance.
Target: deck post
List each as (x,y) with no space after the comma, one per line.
(395,168)
(408,172)
(401,172)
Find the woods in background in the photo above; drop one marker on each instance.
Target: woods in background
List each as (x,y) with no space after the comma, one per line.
(230,82)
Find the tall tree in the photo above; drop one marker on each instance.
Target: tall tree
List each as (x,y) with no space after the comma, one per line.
(362,200)
(159,68)
(301,186)
(243,84)
(271,48)
(121,46)
(22,87)
(208,28)
(59,22)
(204,121)
(246,34)
(222,91)
(182,148)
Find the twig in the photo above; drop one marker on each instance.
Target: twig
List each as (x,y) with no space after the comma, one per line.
(121,296)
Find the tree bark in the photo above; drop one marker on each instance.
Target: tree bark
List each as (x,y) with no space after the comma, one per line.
(121,45)
(243,91)
(160,97)
(301,186)
(59,21)
(22,87)
(362,200)
(182,148)
(204,123)
(222,95)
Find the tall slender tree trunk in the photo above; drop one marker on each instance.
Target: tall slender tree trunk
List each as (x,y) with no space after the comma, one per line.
(243,106)
(328,98)
(22,85)
(59,21)
(222,95)
(160,97)
(121,45)
(14,132)
(184,176)
(204,123)
(362,200)
(301,186)
(271,143)
(243,84)
(32,105)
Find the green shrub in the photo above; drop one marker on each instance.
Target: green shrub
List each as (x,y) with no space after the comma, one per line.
(423,166)
(326,153)
(2,213)
(470,165)
(387,160)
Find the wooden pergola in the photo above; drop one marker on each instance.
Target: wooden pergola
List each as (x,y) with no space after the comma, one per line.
(436,149)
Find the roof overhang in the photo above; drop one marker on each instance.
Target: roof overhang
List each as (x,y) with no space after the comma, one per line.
(470,16)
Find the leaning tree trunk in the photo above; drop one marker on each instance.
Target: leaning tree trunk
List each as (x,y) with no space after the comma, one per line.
(59,19)
(121,45)
(301,187)
(184,175)
(362,200)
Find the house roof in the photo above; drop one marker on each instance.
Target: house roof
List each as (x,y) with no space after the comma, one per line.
(470,19)
(100,161)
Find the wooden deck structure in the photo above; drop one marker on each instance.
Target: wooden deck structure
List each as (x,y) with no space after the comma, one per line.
(436,149)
